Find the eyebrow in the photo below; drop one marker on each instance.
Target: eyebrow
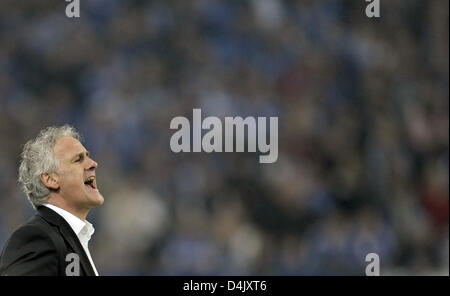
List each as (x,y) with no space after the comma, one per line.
(81,155)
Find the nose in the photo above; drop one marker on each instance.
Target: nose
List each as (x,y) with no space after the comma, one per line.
(92,164)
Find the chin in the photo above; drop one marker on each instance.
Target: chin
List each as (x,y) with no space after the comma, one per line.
(100,200)
(96,200)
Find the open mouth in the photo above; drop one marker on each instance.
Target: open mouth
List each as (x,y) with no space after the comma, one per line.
(90,182)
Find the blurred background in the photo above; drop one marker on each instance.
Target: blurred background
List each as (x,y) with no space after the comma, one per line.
(363,130)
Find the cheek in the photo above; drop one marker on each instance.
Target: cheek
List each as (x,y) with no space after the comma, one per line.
(72,180)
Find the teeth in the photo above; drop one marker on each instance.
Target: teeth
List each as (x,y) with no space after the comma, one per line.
(91,178)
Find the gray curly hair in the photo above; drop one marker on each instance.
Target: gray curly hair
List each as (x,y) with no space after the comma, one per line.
(37,158)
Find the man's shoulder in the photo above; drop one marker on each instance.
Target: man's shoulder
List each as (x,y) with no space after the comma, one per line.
(32,248)
(35,222)
(35,228)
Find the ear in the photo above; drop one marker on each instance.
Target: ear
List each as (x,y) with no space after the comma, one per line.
(50,181)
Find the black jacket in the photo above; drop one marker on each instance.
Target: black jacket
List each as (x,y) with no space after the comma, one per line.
(40,247)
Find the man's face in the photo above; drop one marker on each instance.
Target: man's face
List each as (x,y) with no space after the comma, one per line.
(76,176)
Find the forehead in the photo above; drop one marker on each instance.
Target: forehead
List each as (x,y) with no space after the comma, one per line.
(67,147)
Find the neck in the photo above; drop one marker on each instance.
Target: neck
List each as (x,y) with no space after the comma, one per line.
(61,203)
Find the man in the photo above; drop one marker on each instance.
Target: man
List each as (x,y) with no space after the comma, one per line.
(58,177)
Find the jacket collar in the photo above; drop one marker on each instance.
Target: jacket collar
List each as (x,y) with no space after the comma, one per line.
(69,236)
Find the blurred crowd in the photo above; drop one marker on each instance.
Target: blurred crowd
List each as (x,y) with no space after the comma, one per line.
(363,130)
